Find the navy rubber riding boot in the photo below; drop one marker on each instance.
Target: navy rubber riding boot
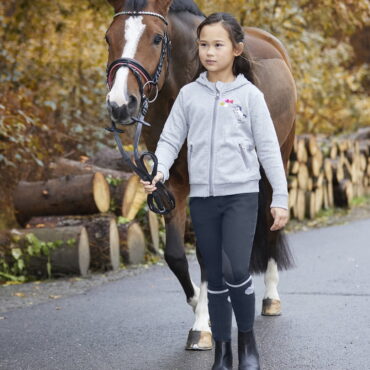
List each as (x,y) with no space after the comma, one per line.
(247,351)
(223,356)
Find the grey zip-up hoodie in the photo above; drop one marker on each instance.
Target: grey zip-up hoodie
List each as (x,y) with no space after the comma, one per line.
(229,130)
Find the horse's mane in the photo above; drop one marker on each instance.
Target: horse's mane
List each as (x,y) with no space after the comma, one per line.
(176,6)
(185,6)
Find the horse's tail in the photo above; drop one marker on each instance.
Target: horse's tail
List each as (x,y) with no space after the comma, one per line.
(268,244)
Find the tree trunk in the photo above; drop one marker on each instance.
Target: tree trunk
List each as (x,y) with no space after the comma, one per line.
(63,167)
(111,159)
(132,242)
(69,195)
(133,198)
(102,232)
(72,256)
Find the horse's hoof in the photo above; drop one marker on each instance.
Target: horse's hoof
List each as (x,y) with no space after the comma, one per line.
(199,340)
(271,307)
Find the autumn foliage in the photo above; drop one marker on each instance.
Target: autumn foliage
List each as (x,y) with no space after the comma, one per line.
(53,58)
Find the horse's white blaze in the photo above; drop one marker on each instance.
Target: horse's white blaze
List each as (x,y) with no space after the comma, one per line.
(201,311)
(134,29)
(271,280)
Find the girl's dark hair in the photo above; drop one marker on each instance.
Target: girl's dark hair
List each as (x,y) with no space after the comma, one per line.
(242,63)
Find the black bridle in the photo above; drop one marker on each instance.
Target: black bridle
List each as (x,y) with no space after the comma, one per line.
(161,201)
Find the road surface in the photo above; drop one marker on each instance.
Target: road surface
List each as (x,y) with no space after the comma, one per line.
(141,322)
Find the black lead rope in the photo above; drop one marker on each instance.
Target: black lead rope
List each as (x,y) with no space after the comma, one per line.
(161,201)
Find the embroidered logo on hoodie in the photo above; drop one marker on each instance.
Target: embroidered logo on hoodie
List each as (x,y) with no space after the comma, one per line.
(237,109)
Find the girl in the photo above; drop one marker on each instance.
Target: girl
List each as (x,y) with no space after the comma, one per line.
(228,128)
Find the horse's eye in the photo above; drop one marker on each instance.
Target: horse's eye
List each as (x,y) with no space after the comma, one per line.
(157,39)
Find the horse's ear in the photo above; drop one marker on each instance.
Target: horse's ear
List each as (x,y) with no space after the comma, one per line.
(117,4)
(163,6)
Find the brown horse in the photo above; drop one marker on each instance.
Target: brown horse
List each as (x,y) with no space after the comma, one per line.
(138,34)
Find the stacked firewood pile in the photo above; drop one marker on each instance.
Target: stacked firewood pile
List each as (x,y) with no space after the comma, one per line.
(325,173)
(80,207)
(90,209)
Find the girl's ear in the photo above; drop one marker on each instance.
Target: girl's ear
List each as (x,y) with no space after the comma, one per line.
(238,50)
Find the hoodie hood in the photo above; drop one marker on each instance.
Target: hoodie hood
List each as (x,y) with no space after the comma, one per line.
(240,80)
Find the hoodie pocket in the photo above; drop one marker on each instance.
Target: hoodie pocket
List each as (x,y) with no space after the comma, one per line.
(197,164)
(249,156)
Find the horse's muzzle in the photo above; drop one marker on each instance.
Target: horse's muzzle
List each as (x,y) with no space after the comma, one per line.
(122,114)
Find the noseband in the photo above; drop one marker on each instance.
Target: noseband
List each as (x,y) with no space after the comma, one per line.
(161,201)
(137,69)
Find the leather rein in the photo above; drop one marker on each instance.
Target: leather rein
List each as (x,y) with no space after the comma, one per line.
(161,201)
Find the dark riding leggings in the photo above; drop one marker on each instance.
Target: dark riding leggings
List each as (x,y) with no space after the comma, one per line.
(224,228)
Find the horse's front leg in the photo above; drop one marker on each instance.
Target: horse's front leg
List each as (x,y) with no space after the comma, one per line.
(199,336)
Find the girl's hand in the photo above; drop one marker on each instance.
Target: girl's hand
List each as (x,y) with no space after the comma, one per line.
(150,187)
(280,216)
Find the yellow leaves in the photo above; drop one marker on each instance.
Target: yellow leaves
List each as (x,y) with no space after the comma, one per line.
(19,294)
(54,296)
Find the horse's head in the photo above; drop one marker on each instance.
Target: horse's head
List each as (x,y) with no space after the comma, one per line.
(138,55)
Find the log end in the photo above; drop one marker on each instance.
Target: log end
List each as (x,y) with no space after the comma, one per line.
(101,192)
(84,253)
(114,244)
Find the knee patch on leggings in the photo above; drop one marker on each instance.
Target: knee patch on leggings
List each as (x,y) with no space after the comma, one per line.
(243,302)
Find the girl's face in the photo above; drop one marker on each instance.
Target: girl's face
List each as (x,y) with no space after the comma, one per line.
(216,51)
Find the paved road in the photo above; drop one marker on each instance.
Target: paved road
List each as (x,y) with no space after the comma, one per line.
(141,322)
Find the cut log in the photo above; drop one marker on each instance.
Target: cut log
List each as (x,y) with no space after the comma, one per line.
(72,256)
(127,196)
(111,159)
(333,152)
(132,242)
(365,147)
(299,208)
(310,205)
(318,181)
(102,232)
(301,151)
(69,195)
(325,195)
(319,198)
(310,143)
(362,134)
(343,193)
(154,231)
(362,163)
(292,182)
(328,170)
(292,197)
(303,177)
(337,166)
(294,167)
(315,163)
(63,167)
(133,198)
(330,194)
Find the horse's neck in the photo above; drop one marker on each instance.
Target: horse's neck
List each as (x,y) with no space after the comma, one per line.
(182,32)
(183,36)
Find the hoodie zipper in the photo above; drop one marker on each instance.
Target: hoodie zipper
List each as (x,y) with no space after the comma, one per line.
(212,135)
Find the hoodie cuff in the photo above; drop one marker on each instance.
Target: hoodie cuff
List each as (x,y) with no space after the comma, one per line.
(280,201)
(164,170)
